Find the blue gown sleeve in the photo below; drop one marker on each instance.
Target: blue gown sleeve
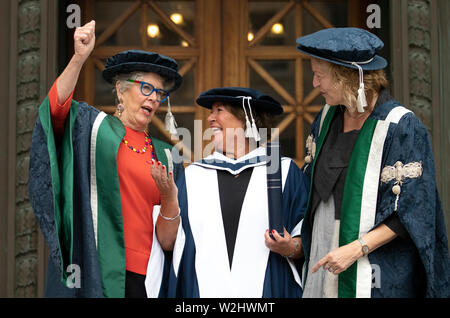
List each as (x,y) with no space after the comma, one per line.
(418,205)
(295,197)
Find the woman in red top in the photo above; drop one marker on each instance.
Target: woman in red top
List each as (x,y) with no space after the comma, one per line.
(123,229)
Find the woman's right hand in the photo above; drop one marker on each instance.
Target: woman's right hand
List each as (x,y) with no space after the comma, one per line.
(166,226)
(84,40)
(165,184)
(286,245)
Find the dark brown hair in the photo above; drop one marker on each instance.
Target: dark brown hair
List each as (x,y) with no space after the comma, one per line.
(263,119)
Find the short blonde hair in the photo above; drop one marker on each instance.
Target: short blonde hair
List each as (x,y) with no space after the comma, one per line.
(348,80)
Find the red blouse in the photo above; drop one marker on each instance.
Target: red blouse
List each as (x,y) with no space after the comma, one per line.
(138,190)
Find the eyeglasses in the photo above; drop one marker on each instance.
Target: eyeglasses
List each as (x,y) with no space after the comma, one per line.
(147,89)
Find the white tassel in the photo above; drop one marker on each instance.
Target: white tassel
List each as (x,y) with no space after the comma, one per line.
(255,134)
(170,123)
(361,102)
(248,129)
(248,126)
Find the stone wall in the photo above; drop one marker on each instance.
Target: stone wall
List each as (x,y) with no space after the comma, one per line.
(28,82)
(428,106)
(420,72)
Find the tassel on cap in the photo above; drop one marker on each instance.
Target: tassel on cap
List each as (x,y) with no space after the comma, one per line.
(256,135)
(248,126)
(361,101)
(170,123)
(248,129)
(251,131)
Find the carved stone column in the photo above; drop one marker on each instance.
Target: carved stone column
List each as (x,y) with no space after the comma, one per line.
(420,64)
(28,83)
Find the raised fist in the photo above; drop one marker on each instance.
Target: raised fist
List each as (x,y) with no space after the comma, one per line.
(84,40)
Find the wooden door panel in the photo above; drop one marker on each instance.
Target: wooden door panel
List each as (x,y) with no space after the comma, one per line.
(219,43)
(267,59)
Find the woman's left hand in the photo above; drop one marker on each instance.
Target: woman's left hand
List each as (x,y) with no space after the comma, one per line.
(283,245)
(338,260)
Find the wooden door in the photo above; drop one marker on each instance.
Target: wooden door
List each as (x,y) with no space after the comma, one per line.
(259,51)
(218,43)
(192,37)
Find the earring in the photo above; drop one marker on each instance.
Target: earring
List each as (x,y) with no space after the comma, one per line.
(120,109)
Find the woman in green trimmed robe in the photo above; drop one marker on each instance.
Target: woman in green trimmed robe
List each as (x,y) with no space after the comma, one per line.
(90,176)
(374,225)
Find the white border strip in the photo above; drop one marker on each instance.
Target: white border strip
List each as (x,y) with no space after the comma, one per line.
(94,197)
(370,195)
(155,265)
(326,108)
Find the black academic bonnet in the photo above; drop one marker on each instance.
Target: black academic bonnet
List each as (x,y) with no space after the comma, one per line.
(235,96)
(142,61)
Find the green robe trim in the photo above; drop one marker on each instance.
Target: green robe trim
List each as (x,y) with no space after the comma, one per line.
(62,181)
(107,218)
(351,203)
(110,239)
(107,208)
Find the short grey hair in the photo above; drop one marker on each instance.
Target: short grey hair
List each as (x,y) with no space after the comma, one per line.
(124,84)
(137,76)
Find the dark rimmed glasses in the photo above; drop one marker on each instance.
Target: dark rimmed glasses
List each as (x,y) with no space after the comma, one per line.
(147,89)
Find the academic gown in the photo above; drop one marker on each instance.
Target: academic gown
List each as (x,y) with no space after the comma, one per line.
(200,266)
(393,149)
(74,191)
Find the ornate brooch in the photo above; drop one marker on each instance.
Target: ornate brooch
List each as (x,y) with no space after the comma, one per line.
(399,172)
(310,150)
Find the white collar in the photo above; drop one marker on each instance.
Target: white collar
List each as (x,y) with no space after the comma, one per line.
(219,161)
